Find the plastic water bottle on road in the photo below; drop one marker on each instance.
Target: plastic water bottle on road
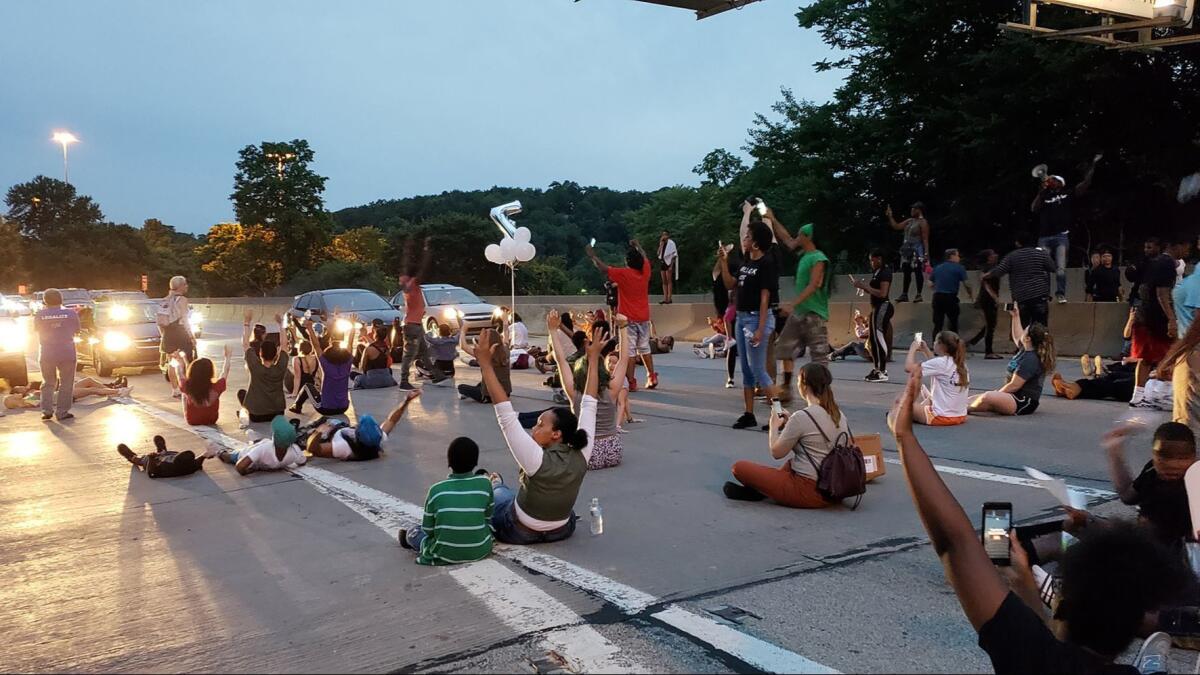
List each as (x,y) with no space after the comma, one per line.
(597,517)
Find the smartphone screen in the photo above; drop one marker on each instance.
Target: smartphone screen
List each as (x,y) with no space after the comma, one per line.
(997,521)
(1008,307)
(592,243)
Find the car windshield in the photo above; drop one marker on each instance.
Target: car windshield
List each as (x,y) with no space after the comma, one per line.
(126,315)
(451,296)
(122,296)
(354,301)
(74,296)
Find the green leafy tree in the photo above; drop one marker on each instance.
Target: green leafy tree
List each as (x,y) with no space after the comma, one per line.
(276,187)
(44,208)
(543,276)
(341,274)
(238,258)
(12,263)
(365,245)
(719,167)
(170,253)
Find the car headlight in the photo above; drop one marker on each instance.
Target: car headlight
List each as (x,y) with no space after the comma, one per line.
(13,337)
(195,319)
(343,326)
(116,342)
(449,314)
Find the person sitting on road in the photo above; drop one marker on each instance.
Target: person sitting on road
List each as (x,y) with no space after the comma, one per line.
(807,435)
(306,375)
(1109,581)
(607,448)
(1026,372)
(268,454)
(264,397)
(501,364)
(1158,490)
(1114,382)
(375,367)
(553,458)
(163,463)
(857,346)
(944,404)
(336,439)
(442,350)
(455,525)
(713,346)
(334,363)
(201,389)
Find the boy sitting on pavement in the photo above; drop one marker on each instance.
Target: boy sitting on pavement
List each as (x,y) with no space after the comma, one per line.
(1158,491)
(455,527)
(268,454)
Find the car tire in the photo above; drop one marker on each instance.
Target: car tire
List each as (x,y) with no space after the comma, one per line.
(103,368)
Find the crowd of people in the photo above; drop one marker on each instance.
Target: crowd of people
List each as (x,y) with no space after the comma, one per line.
(591,361)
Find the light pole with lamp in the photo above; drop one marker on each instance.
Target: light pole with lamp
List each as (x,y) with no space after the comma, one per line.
(64,138)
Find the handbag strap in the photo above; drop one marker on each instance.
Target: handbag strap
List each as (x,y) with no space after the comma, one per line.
(823,435)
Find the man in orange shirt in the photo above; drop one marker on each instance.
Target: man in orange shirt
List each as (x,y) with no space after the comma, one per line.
(633,300)
(414,314)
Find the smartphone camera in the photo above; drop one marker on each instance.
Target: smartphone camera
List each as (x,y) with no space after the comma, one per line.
(1008,306)
(997,521)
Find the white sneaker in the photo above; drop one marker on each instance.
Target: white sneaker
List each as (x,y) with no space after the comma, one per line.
(1088,366)
(1100,369)
(1153,656)
(700,352)
(1062,299)
(729,384)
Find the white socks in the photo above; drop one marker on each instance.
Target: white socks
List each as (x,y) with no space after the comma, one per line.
(1139,393)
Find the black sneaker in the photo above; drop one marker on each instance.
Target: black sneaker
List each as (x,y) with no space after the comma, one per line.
(442,377)
(902,298)
(407,387)
(160,444)
(68,416)
(918,298)
(876,376)
(745,421)
(46,416)
(128,454)
(404,539)
(741,492)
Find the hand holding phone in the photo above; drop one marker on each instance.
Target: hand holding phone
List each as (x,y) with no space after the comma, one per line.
(997,522)
(592,243)
(1010,307)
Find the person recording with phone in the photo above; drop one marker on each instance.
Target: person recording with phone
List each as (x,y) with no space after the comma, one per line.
(1026,371)
(757,283)
(880,320)
(1100,606)
(914,248)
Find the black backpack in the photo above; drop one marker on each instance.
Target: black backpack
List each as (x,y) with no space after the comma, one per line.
(843,472)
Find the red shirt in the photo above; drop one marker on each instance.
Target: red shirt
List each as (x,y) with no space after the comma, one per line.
(633,291)
(414,302)
(204,414)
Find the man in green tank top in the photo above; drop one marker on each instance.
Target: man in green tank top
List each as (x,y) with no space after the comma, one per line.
(806,324)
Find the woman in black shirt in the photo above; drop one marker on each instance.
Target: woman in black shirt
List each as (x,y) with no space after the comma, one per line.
(880,339)
(757,282)
(988,303)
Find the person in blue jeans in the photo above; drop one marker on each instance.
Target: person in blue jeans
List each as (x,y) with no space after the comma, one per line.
(756,281)
(1054,205)
(56,327)
(553,456)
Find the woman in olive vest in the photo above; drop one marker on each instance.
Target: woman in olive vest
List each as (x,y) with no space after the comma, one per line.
(553,457)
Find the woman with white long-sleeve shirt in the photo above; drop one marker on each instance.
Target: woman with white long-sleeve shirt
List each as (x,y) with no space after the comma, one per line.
(553,458)
(607,448)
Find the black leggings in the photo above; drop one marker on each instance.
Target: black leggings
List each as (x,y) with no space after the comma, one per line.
(910,269)
(308,390)
(1115,386)
(945,311)
(881,328)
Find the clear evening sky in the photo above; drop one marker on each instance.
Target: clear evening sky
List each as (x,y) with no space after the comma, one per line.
(397,97)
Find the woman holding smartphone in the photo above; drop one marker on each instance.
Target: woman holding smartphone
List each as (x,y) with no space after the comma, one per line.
(880,321)
(1026,371)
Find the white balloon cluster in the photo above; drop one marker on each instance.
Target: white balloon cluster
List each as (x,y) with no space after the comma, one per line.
(515,247)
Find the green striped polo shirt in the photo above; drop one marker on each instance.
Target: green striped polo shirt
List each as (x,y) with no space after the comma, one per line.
(457,511)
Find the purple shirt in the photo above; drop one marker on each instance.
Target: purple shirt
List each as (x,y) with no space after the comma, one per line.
(335,385)
(56,328)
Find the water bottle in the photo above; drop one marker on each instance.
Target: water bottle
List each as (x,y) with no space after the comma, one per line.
(243,418)
(597,517)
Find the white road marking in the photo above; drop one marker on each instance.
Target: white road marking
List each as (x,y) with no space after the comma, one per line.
(528,609)
(390,513)
(1025,481)
(762,655)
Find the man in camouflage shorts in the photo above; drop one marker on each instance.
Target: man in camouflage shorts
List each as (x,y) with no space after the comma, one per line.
(806,329)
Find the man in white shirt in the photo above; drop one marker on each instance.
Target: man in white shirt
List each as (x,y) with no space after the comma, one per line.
(268,454)
(668,255)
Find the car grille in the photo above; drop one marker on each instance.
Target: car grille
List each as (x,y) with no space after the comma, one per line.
(477,317)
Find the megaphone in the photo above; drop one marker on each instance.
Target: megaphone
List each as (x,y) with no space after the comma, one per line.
(1040,171)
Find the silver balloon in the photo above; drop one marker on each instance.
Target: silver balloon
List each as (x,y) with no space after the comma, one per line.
(501,214)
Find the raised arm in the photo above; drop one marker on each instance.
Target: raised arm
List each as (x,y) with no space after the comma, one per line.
(227,353)
(896,225)
(979,587)
(247,318)
(726,277)
(600,264)
(483,354)
(917,348)
(617,378)
(524,449)
(1018,333)
(394,417)
(562,347)
(1086,183)
(283,334)
(1114,447)
(587,403)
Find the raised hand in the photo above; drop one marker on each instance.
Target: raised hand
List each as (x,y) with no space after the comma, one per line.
(596,344)
(483,348)
(553,320)
(248,315)
(900,421)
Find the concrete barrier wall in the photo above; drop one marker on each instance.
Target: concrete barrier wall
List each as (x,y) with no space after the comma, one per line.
(1078,328)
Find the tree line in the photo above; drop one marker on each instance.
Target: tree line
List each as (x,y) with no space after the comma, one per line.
(938,105)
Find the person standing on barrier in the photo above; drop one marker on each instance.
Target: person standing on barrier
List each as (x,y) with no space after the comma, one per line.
(1053,205)
(880,321)
(913,249)
(988,302)
(1028,267)
(946,279)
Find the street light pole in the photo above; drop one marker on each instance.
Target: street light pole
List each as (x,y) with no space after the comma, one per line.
(64,138)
